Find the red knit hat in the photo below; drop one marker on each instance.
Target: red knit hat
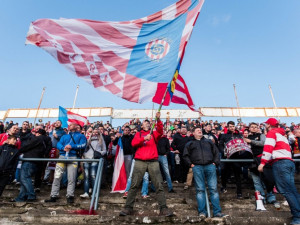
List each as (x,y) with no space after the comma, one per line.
(273,122)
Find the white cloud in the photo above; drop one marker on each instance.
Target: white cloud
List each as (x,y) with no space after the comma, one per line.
(217,20)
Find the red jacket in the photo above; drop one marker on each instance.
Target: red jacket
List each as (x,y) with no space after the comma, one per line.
(147,150)
(276,147)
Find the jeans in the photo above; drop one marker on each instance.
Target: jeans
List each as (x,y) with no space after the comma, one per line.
(17,174)
(145,181)
(163,161)
(259,186)
(28,169)
(127,162)
(140,167)
(208,173)
(171,159)
(90,170)
(284,171)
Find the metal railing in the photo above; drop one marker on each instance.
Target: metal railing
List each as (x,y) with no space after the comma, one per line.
(97,185)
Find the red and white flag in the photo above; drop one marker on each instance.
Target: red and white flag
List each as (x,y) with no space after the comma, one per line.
(119,180)
(127,58)
(66,117)
(178,93)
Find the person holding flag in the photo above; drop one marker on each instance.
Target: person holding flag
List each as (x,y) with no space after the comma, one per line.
(146,159)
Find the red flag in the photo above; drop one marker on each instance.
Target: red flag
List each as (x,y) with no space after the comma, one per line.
(119,180)
(181,94)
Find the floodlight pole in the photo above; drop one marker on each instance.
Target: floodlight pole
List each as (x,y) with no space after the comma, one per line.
(274,102)
(44,88)
(237,102)
(75,98)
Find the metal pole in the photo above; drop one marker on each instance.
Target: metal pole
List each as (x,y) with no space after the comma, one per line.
(99,184)
(95,185)
(75,98)
(274,102)
(58,160)
(237,102)
(152,109)
(39,105)
(207,203)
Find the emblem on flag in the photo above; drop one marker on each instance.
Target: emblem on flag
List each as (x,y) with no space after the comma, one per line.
(157,49)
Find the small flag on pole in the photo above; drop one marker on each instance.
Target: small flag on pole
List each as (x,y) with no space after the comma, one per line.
(178,93)
(119,180)
(66,117)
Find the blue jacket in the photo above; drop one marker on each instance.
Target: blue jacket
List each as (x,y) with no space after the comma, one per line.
(59,132)
(80,143)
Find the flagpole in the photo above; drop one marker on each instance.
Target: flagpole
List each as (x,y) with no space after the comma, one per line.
(180,61)
(75,98)
(44,88)
(152,109)
(237,102)
(274,102)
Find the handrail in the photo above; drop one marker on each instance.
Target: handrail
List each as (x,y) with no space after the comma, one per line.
(58,160)
(96,189)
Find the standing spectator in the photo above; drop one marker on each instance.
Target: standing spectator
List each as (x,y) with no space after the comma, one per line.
(277,151)
(163,148)
(9,155)
(56,133)
(207,133)
(256,141)
(127,148)
(68,147)
(35,148)
(231,134)
(179,141)
(25,133)
(41,166)
(202,156)
(146,159)
(95,149)
(295,145)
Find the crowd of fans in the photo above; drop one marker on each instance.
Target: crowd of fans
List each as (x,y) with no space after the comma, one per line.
(98,139)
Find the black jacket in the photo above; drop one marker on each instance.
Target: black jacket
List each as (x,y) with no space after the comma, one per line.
(9,156)
(179,142)
(224,138)
(163,146)
(257,143)
(25,137)
(36,147)
(126,141)
(107,140)
(201,152)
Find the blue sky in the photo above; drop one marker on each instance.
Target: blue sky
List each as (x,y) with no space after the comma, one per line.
(250,43)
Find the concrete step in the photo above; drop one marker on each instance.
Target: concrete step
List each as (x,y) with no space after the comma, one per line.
(146,211)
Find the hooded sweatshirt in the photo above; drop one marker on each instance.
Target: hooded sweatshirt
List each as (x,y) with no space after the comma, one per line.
(276,147)
(147,150)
